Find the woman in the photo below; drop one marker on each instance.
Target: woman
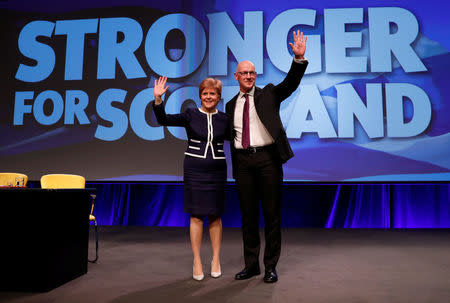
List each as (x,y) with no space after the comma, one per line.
(205,170)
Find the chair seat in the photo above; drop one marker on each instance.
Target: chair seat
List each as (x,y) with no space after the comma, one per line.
(13,179)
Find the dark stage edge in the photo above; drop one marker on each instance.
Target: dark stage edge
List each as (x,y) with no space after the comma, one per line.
(154,264)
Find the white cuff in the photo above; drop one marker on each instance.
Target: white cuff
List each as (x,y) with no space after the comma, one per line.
(300,60)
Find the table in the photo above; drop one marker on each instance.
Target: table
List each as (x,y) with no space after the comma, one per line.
(45,235)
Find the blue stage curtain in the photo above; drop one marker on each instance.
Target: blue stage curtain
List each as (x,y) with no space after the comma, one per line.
(304,205)
(360,206)
(421,206)
(139,204)
(113,203)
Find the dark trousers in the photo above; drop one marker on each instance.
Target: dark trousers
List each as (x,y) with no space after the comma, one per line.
(259,178)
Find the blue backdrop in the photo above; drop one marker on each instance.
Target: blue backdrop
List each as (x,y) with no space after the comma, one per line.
(78,82)
(304,205)
(78,85)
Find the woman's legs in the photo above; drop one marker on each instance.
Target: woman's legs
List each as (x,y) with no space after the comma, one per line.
(215,233)
(196,231)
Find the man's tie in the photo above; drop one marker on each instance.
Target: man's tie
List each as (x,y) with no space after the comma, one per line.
(246,124)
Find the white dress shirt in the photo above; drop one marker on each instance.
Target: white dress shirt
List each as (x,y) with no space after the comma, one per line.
(259,136)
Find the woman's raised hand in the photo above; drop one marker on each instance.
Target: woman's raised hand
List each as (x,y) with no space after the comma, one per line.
(160,89)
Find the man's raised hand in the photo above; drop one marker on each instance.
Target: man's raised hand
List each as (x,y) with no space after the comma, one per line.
(299,46)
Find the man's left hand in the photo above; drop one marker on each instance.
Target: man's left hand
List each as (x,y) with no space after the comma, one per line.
(299,46)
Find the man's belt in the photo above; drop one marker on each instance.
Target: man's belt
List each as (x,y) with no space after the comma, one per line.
(256,149)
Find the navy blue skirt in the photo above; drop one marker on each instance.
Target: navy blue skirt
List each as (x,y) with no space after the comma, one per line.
(204,185)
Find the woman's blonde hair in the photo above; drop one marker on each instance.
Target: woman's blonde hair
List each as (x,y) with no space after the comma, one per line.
(210,83)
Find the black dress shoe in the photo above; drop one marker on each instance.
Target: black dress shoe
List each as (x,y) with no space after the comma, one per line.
(247,273)
(270,276)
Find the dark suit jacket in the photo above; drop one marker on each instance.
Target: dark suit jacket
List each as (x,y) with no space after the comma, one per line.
(267,103)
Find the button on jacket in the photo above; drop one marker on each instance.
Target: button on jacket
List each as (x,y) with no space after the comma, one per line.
(206,132)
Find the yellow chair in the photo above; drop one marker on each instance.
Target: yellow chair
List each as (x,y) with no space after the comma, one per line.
(13,179)
(63,181)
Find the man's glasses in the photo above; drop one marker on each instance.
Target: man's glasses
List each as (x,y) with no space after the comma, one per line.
(250,73)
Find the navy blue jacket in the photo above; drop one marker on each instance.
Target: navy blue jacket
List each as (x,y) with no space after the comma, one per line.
(205,131)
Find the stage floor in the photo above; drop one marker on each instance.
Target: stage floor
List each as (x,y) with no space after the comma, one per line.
(154,264)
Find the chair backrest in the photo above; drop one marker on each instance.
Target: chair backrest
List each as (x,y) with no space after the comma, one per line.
(11,179)
(62,181)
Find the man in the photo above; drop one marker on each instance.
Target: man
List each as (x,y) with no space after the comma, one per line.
(259,147)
